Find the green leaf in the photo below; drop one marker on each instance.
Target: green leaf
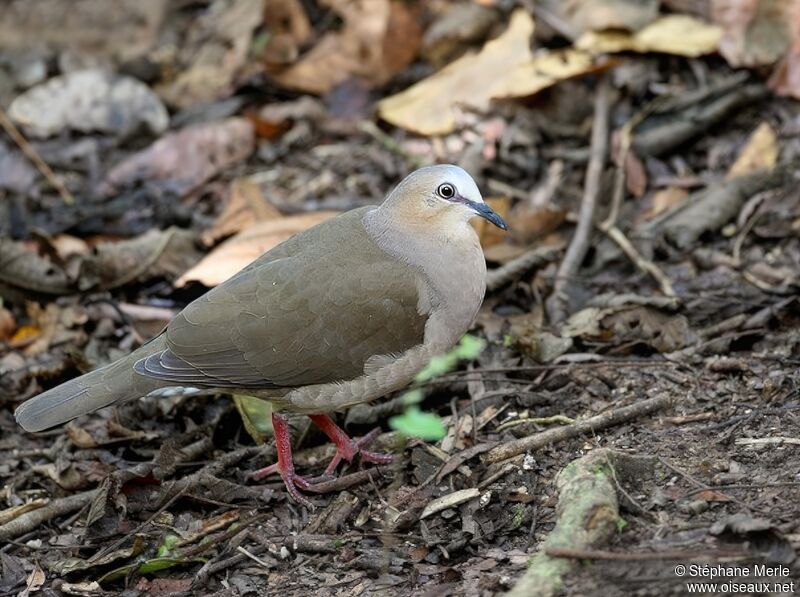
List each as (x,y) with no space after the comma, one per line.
(256,416)
(165,549)
(470,347)
(413,397)
(157,564)
(415,423)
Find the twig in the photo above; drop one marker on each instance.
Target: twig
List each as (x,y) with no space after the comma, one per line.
(586,516)
(639,260)
(31,520)
(580,240)
(26,148)
(599,554)
(507,273)
(559,434)
(254,557)
(344,482)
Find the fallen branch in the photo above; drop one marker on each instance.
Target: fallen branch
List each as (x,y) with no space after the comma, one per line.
(559,434)
(586,516)
(59,507)
(72,503)
(580,240)
(507,273)
(645,265)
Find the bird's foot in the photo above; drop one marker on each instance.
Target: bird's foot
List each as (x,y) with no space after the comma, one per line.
(347,447)
(285,464)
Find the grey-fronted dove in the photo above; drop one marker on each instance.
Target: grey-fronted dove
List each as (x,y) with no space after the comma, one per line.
(340,314)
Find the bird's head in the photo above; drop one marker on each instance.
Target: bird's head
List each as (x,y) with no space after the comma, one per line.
(443,194)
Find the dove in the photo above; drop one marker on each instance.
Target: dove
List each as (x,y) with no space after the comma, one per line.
(339,314)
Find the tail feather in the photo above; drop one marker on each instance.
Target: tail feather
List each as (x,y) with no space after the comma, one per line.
(113,384)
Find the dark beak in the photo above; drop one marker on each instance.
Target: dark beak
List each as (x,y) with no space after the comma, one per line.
(488,213)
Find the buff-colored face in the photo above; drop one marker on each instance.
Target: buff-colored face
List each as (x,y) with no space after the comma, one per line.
(443,193)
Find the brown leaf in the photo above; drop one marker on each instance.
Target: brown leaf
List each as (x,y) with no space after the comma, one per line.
(181,161)
(215,51)
(84,25)
(528,222)
(157,253)
(288,28)
(89,101)
(666,198)
(635,175)
(504,68)
(596,15)
(756,32)
(712,495)
(759,153)
(8,325)
(80,437)
(378,39)
(679,35)
(235,253)
(453,31)
(786,78)
(246,206)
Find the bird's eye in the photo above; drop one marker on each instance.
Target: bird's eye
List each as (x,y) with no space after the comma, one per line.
(446,190)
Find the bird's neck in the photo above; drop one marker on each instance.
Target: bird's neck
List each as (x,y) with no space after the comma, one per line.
(452,272)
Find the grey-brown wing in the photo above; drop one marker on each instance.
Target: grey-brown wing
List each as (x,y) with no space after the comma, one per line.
(314,311)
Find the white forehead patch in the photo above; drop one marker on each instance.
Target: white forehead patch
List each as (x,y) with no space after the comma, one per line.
(464,183)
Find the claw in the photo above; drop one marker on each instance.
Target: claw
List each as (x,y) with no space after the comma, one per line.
(285,464)
(346,449)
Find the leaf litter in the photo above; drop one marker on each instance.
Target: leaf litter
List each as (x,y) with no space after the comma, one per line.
(274,126)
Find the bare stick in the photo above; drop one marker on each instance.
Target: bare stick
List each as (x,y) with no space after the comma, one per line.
(31,520)
(34,157)
(559,434)
(687,556)
(638,259)
(580,240)
(507,273)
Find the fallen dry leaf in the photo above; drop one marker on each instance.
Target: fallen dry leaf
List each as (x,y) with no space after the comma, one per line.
(8,325)
(378,39)
(84,25)
(759,153)
(89,101)
(756,32)
(235,253)
(181,161)
(34,582)
(246,206)
(458,27)
(289,29)
(664,199)
(529,222)
(504,68)
(786,78)
(679,35)
(157,253)
(215,51)
(712,495)
(596,15)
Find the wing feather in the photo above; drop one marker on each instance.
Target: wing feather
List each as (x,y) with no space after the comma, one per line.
(313,310)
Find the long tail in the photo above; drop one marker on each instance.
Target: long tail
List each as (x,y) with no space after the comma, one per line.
(112,384)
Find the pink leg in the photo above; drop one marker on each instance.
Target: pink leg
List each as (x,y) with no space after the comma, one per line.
(346,447)
(285,465)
